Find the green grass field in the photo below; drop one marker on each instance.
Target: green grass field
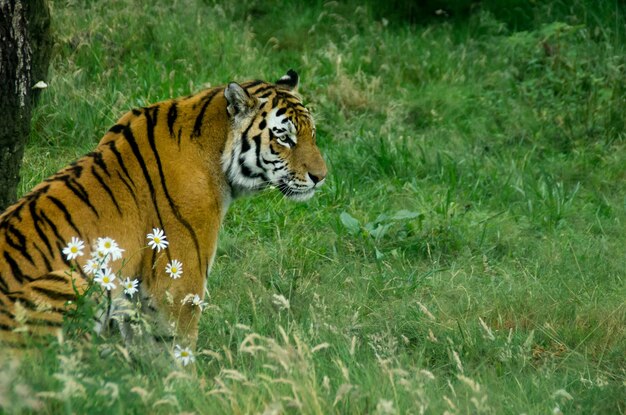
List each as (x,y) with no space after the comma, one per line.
(467,254)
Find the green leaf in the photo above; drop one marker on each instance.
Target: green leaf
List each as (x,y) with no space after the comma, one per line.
(351,224)
(377,231)
(404,215)
(379,255)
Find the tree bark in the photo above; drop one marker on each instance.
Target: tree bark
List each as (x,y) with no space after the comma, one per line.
(25,47)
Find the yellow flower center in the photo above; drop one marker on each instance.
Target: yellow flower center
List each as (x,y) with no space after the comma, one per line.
(174,270)
(184,353)
(73,249)
(157,240)
(106,280)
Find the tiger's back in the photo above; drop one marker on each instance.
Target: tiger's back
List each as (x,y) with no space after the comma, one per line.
(175,166)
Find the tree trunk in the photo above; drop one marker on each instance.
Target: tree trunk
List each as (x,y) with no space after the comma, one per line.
(25,46)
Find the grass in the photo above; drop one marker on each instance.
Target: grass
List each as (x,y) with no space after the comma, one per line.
(466,254)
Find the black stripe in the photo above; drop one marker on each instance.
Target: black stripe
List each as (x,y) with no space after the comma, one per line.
(245,145)
(130,190)
(120,160)
(54,295)
(4,287)
(77,188)
(197,128)
(29,304)
(106,188)
(269,89)
(171,118)
(6,312)
(288,141)
(60,246)
(272,136)
(36,221)
(246,171)
(116,129)
(20,244)
(44,257)
(47,323)
(99,161)
(266,161)
(274,152)
(15,268)
(4,327)
(11,215)
(257,143)
(54,230)
(297,107)
(40,322)
(66,214)
(130,138)
(151,123)
(83,275)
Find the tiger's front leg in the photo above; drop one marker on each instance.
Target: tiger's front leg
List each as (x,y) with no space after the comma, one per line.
(174,288)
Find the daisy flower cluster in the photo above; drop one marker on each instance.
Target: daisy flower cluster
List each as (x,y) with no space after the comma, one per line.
(99,265)
(104,251)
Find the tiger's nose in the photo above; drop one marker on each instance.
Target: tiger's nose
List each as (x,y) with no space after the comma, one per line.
(317,177)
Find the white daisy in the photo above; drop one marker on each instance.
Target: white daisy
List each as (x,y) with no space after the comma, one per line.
(195,300)
(157,239)
(130,286)
(184,356)
(100,257)
(110,247)
(74,249)
(174,269)
(105,278)
(92,266)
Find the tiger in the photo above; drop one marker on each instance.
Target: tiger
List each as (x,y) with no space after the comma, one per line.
(173,167)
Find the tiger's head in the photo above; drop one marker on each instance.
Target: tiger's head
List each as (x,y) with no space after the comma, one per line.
(272,141)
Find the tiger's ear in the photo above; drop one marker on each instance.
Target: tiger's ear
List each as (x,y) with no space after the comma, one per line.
(289,80)
(239,101)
